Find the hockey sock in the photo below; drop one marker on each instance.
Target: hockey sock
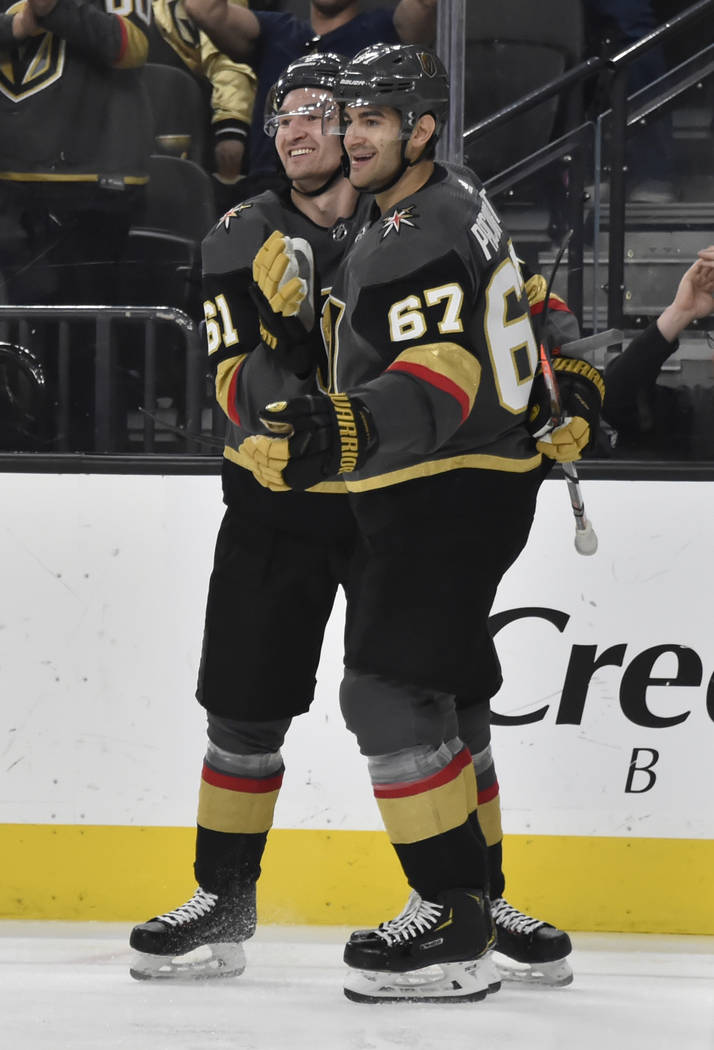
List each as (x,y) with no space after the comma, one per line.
(425,797)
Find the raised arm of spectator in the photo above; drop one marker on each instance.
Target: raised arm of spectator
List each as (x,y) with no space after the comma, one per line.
(637,368)
(232,28)
(117,40)
(415,21)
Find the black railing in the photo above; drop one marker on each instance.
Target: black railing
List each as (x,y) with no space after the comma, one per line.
(622,111)
(109,357)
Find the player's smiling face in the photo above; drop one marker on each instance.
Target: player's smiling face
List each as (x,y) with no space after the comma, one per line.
(308,156)
(373,144)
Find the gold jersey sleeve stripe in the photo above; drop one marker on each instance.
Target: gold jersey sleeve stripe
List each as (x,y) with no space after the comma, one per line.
(447,366)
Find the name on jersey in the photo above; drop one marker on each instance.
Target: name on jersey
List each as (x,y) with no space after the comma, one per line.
(487,229)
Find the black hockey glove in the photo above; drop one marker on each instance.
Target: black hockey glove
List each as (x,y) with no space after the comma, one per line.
(581,389)
(282,292)
(324,436)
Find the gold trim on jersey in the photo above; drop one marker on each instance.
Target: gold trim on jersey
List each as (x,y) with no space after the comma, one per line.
(468,461)
(224,377)
(448,360)
(44,176)
(335,488)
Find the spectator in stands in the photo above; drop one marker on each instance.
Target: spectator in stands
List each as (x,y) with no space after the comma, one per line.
(75,142)
(74,152)
(653,419)
(611,26)
(270,41)
(177,40)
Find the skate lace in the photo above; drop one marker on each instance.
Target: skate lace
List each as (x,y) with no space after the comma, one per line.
(510,918)
(417,916)
(200,904)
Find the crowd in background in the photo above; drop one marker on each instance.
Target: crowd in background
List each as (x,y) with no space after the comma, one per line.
(151,120)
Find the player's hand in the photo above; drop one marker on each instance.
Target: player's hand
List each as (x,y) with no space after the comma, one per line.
(282,291)
(24,24)
(581,390)
(566,442)
(40,8)
(229,155)
(318,437)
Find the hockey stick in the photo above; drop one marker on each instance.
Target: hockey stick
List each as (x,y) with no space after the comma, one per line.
(585,536)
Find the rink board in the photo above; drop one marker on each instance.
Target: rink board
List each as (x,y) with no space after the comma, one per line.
(603,747)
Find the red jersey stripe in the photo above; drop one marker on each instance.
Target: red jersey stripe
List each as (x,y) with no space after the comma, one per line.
(231,406)
(124,41)
(441,382)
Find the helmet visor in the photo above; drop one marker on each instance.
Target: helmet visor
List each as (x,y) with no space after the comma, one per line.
(310,110)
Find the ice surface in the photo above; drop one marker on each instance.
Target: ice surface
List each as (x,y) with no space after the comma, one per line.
(66,985)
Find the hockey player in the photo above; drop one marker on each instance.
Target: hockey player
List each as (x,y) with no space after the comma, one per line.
(278,561)
(433,356)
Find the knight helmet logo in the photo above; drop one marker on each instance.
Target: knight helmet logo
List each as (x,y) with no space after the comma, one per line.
(427,63)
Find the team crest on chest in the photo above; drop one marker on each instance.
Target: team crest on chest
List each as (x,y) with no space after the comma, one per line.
(36,62)
(399,217)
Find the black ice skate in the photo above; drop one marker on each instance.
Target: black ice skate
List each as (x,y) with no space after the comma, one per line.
(433,951)
(201,939)
(528,949)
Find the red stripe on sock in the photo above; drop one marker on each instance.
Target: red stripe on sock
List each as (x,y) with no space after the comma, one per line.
(488,793)
(247,784)
(418,787)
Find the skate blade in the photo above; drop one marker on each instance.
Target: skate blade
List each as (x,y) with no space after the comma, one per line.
(210,962)
(487,971)
(556,974)
(445,983)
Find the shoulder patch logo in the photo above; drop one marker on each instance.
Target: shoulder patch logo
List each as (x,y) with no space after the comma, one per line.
(398,218)
(232,213)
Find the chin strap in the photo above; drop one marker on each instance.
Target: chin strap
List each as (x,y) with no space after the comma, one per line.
(336,174)
(404,166)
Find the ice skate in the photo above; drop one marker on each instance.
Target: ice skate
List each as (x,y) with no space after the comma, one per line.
(529,950)
(200,940)
(434,951)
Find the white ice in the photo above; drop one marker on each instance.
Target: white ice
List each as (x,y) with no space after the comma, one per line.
(66,986)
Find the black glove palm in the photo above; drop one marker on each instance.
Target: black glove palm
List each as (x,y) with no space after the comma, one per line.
(293,348)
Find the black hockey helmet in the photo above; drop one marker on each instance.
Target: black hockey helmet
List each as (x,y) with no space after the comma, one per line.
(319,70)
(405,77)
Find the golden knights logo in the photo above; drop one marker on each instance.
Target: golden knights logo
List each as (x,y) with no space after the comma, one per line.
(427,63)
(232,213)
(399,217)
(32,64)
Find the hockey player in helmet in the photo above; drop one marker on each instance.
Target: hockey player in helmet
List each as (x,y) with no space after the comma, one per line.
(433,358)
(279,561)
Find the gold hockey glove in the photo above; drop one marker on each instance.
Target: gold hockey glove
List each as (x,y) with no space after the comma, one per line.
(282,292)
(581,388)
(321,437)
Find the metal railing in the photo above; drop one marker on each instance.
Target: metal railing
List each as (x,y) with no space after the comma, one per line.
(623,112)
(68,339)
